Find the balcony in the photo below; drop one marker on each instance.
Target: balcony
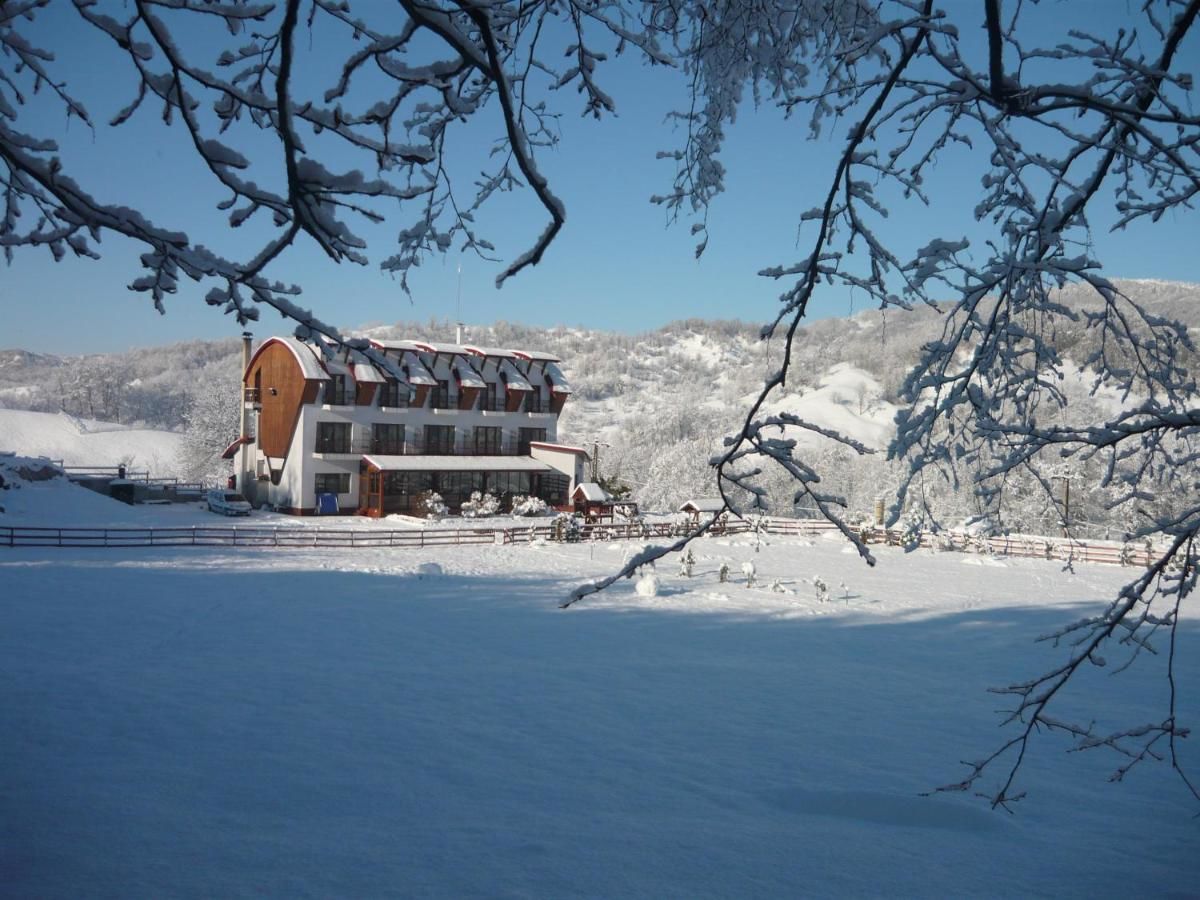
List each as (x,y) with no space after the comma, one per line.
(417,447)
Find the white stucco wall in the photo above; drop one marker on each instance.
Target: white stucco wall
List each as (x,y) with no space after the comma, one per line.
(297,486)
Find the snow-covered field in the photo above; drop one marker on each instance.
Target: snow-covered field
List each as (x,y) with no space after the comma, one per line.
(369,723)
(85,442)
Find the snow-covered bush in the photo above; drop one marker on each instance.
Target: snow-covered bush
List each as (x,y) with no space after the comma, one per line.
(430,504)
(480,505)
(686,562)
(567,527)
(910,534)
(647,585)
(528,506)
(723,573)
(821,588)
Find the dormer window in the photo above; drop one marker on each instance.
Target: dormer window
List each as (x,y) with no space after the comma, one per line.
(335,390)
(441,394)
(392,395)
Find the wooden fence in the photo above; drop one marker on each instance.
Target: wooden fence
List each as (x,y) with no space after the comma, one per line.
(298,536)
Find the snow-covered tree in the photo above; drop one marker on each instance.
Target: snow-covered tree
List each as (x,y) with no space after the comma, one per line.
(210,424)
(1060,121)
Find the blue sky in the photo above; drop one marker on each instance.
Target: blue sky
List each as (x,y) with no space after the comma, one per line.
(617,264)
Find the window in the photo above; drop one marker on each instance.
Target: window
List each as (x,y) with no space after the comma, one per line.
(335,391)
(387,439)
(441,395)
(455,487)
(553,489)
(487,440)
(406,484)
(439,439)
(526,435)
(333,437)
(392,394)
(504,484)
(533,403)
(489,399)
(333,483)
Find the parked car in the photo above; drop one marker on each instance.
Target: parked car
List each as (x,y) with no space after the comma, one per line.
(228,503)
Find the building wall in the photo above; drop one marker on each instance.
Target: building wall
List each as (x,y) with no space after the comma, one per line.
(287,429)
(283,390)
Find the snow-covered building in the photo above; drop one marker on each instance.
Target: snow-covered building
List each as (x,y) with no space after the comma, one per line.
(705,507)
(448,418)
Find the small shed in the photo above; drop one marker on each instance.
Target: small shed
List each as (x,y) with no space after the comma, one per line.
(706,507)
(592,502)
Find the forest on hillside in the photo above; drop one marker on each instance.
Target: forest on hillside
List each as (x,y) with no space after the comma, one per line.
(656,406)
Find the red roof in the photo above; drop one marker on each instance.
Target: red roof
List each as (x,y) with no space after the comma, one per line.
(228,452)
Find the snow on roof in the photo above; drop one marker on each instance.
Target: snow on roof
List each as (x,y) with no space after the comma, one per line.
(706,504)
(512,377)
(306,356)
(362,370)
(536,356)
(463,349)
(430,347)
(456,464)
(465,373)
(417,373)
(336,367)
(563,448)
(366,373)
(394,345)
(592,492)
(558,383)
(489,351)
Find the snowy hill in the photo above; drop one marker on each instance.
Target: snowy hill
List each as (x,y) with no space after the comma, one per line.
(658,403)
(85,442)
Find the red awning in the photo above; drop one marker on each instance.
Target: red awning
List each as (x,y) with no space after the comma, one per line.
(229,451)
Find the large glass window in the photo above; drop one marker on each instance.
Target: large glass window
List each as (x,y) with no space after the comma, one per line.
(335,391)
(387,439)
(553,489)
(533,401)
(487,440)
(332,483)
(526,435)
(439,439)
(393,394)
(490,400)
(455,487)
(333,437)
(505,484)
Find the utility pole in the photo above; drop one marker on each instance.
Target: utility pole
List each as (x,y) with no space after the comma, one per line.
(596,445)
(243,465)
(1066,502)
